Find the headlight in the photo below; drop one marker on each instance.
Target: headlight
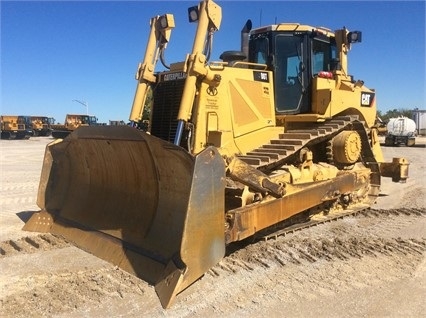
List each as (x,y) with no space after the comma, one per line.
(193,14)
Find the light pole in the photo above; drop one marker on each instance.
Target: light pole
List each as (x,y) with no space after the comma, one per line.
(85,104)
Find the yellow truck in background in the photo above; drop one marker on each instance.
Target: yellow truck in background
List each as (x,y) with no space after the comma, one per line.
(15,127)
(41,125)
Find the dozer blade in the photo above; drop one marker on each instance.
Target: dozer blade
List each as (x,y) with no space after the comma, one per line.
(136,201)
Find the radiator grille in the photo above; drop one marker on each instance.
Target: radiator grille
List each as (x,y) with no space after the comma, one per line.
(167,96)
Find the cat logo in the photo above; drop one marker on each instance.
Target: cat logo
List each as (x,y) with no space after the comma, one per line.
(367,99)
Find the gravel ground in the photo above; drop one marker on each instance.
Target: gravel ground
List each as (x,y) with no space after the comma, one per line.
(369,265)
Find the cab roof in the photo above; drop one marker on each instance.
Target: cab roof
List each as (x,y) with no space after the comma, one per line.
(293,27)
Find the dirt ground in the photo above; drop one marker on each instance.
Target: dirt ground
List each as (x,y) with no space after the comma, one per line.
(369,265)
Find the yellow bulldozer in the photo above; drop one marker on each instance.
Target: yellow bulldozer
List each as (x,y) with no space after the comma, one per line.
(272,134)
(71,123)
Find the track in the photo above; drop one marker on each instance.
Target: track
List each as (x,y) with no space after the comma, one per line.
(336,215)
(285,150)
(288,150)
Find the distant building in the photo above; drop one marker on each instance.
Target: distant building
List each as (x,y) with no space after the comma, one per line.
(419,117)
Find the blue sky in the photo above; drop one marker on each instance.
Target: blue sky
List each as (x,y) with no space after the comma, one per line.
(55,52)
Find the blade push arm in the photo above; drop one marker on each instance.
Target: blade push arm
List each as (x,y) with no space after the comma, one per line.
(161,27)
(209,16)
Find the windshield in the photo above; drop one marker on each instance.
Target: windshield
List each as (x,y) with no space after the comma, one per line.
(295,58)
(24,120)
(93,120)
(289,67)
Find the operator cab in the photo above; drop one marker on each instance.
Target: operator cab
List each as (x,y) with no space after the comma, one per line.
(295,53)
(24,123)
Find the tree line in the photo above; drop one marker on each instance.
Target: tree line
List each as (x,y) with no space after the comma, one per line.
(395,113)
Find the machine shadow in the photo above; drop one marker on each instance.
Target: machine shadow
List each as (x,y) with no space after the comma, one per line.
(25,215)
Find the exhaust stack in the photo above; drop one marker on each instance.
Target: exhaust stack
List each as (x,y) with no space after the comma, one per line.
(245,38)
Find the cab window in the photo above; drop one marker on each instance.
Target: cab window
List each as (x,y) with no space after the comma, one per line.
(322,55)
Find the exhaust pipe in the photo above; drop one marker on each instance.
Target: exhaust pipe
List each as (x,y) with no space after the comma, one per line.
(245,38)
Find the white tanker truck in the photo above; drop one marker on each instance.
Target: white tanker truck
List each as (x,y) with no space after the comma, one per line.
(401,130)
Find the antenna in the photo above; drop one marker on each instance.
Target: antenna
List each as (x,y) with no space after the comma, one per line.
(260,17)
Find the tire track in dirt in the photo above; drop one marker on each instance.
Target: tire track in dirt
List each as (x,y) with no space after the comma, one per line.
(16,195)
(60,291)
(332,244)
(340,247)
(12,201)
(31,244)
(12,187)
(65,292)
(317,261)
(302,251)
